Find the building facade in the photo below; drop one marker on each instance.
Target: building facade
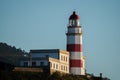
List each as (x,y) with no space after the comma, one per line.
(50,60)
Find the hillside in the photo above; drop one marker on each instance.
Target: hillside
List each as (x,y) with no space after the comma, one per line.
(44,76)
(11,54)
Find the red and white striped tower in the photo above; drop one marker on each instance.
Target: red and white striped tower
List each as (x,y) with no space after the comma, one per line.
(74,45)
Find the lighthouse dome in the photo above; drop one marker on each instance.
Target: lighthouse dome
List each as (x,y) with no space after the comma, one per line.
(74,16)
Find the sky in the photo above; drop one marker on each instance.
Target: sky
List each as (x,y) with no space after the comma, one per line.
(42,24)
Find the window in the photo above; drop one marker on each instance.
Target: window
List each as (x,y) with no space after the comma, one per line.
(74,23)
(66,68)
(53,65)
(61,57)
(70,23)
(66,59)
(41,63)
(56,66)
(25,63)
(61,67)
(50,64)
(33,63)
(47,56)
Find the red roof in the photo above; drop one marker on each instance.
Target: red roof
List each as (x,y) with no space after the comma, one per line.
(74,16)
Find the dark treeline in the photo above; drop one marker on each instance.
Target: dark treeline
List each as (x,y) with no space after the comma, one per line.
(11,54)
(44,76)
(38,76)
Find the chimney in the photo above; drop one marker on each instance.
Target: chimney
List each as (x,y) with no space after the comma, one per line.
(101,76)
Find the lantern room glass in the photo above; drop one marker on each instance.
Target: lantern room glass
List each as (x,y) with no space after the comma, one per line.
(74,23)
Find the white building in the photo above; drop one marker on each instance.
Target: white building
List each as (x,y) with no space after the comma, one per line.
(50,60)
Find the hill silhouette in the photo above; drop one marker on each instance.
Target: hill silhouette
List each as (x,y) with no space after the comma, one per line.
(11,54)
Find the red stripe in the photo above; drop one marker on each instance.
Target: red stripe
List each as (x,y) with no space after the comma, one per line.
(74,47)
(76,63)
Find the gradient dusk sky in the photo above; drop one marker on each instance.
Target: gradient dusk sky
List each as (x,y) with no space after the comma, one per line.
(42,24)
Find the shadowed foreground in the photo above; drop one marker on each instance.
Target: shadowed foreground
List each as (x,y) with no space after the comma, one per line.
(14,75)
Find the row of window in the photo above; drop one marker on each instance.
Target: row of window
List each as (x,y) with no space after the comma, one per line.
(34,64)
(64,68)
(56,66)
(64,58)
(52,65)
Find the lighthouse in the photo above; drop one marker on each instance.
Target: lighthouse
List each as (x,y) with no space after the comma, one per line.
(74,45)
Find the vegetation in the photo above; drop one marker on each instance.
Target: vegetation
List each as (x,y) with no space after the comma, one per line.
(11,54)
(38,76)
(14,75)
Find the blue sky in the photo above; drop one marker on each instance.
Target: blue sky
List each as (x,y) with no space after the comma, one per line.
(42,24)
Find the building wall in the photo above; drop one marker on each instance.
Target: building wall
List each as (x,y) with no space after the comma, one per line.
(56,60)
(64,58)
(64,62)
(56,65)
